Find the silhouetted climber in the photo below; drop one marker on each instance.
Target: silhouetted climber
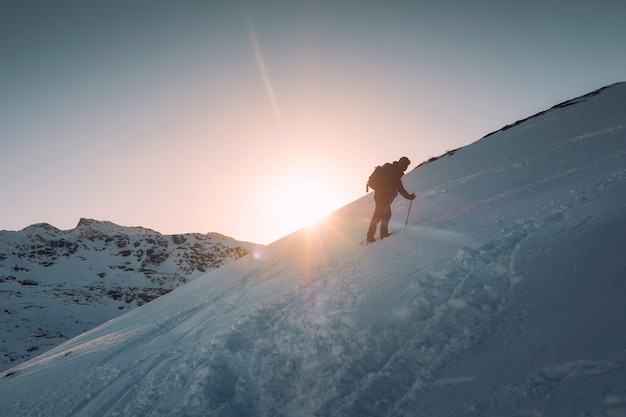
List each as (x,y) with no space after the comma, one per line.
(386,181)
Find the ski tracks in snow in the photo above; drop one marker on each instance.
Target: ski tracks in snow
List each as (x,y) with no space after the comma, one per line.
(330,347)
(446,309)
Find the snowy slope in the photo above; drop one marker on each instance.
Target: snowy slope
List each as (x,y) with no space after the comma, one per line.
(504,296)
(56,284)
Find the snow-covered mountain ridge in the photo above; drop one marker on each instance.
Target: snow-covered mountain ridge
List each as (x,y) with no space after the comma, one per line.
(56,284)
(503,296)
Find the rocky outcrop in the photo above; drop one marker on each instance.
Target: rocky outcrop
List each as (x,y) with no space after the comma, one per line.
(56,284)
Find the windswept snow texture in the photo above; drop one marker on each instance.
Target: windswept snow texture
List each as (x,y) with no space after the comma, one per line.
(504,296)
(56,284)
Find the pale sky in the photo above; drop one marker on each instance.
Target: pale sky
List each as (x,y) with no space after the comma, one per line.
(251,118)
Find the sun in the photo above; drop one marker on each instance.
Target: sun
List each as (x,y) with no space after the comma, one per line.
(299,202)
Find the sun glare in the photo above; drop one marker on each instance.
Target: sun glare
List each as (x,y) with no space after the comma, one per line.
(300,202)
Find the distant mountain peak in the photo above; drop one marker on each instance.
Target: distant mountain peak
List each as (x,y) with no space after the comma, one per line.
(90,228)
(41,226)
(82,277)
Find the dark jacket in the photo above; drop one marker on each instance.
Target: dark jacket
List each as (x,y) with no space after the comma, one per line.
(395,186)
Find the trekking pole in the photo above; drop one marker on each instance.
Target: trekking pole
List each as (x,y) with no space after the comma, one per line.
(407,214)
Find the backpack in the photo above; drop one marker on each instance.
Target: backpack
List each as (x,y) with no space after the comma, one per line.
(379,178)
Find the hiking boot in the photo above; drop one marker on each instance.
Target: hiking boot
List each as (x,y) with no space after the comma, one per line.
(382,236)
(370,239)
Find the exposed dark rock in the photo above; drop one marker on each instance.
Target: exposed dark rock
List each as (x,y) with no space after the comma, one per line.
(140,265)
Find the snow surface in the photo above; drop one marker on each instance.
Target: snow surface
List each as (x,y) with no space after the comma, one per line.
(56,284)
(504,296)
